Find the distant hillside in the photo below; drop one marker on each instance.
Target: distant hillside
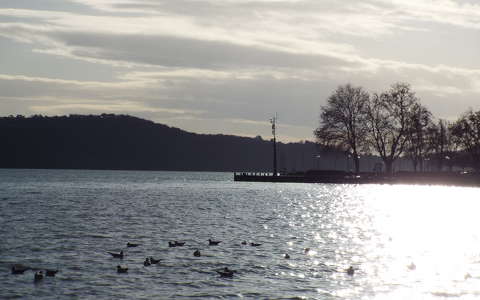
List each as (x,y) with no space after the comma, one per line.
(128,143)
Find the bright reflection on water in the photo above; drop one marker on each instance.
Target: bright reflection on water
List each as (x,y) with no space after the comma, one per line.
(405,242)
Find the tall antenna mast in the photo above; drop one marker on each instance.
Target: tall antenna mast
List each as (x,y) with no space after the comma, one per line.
(273,122)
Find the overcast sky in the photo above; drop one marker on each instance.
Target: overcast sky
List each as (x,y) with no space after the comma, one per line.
(226,66)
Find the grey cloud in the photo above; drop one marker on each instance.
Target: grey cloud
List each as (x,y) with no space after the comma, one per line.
(173,51)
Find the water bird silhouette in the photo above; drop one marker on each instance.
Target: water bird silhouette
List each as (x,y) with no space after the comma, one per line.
(38,276)
(197,253)
(350,271)
(116,255)
(244,242)
(255,244)
(19,269)
(287,256)
(121,269)
(176,244)
(51,273)
(132,245)
(154,261)
(213,243)
(147,263)
(226,272)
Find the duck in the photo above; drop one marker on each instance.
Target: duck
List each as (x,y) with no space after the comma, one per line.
(50,273)
(147,263)
(116,255)
(19,269)
(197,253)
(154,261)
(38,276)
(132,245)
(213,243)
(307,250)
(121,269)
(175,244)
(244,242)
(255,244)
(226,272)
(350,271)
(287,256)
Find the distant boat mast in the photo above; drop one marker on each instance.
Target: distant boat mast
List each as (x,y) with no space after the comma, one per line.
(273,121)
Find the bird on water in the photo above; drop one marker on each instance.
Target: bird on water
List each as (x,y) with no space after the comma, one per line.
(213,243)
(121,269)
(116,255)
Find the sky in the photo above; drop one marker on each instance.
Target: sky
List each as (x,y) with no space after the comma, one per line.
(227,66)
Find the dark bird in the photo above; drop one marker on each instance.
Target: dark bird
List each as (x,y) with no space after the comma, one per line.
(226,272)
(132,245)
(307,250)
(117,255)
(197,253)
(255,244)
(350,271)
(121,269)
(38,276)
(19,269)
(175,244)
(287,256)
(213,243)
(154,261)
(147,263)
(244,242)
(50,273)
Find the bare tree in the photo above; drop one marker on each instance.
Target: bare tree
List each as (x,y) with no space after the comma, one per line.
(388,117)
(342,121)
(466,135)
(417,142)
(440,143)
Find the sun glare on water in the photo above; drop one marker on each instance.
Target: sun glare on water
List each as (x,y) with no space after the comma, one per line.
(425,241)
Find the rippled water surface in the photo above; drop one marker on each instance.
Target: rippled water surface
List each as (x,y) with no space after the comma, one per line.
(405,242)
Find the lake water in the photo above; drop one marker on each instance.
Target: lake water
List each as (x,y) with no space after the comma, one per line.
(405,242)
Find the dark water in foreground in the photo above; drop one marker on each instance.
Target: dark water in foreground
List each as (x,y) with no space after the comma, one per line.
(69,219)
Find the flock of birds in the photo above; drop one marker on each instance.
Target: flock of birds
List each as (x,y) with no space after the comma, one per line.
(224,272)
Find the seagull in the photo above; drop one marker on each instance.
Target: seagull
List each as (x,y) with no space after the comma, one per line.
(213,243)
(121,269)
(117,255)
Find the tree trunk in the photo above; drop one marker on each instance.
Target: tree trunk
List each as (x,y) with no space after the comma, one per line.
(388,166)
(356,160)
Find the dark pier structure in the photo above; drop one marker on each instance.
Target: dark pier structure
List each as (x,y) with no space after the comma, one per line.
(459,178)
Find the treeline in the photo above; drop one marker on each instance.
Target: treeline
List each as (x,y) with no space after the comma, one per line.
(394,125)
(122,142)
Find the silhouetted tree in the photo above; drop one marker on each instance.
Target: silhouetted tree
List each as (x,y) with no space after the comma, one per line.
(342,121)
(388,118)
(417,142)
(440,144)
(466,135)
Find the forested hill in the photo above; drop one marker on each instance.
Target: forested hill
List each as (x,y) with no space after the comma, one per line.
(120,142)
